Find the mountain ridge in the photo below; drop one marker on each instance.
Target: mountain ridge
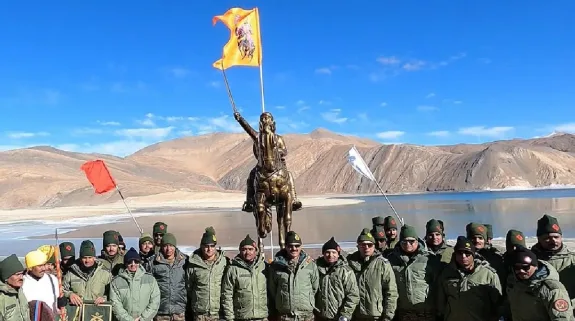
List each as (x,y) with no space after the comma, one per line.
(43,176)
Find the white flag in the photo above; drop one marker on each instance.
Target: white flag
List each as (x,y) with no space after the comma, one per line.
(357,162)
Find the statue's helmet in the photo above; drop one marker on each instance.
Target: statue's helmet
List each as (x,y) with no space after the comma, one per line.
(266,118)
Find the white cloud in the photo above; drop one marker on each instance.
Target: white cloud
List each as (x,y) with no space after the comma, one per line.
(119,148)
(300,102)
(324,102)
(566,128)
(392,60)
(392,134)
(179,72)
(457,102)
(87,131)
(280,107)
(383,104)
(323,71)
(173,118)
(145,133)
(108,123)
(19,135)
(333,116)
(479,131)
(430,95)
(439,133)
(414,65)
(148,121)
(424,108)
(486,61)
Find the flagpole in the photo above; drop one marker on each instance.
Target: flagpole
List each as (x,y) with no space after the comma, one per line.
(63,316)
(261,64)
(373,179)
(129,211)
(263,103)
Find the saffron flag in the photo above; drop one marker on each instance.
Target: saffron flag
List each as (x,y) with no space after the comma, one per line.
(357,162)
(99,176)
(244,48)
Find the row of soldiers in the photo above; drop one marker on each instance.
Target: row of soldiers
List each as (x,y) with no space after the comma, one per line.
(393,275)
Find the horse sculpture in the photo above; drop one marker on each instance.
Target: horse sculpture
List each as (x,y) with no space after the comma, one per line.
(272,183)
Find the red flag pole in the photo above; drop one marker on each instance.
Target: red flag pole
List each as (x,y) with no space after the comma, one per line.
(99,176)
(129,211)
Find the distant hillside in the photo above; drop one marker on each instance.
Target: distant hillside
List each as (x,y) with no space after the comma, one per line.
(45,176)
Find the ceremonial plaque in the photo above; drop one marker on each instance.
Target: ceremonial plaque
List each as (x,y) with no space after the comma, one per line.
(72,313)
(93,312)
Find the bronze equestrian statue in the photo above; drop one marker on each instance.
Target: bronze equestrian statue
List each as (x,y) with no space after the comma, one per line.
(269,182)
(250,193)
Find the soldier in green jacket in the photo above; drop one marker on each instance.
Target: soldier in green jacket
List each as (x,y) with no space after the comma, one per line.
(378,232)
(158,232)
(134,293)
(111,257)
(67,255)
(390,227)
(293,282)
(415,271)
(13,303)
(477,233)
(435,241)
(550,248)
(338,293)
(204,272)
(468,288)
(87,279)
(146,245)
(244,285)
(534,290)
(169,269)
(375,280)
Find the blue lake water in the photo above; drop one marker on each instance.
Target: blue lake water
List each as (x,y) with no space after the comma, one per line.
(505,210)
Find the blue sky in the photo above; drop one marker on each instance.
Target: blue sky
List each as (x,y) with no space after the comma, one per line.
(114,77)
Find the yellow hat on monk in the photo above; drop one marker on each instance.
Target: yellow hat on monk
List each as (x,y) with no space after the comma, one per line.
(35,258)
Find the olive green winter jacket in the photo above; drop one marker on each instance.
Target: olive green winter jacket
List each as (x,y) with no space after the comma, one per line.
(541,298)
(13,304)
(204,283)
(171,280)
(469,296)
(292,291)
(443,253)
(564,262)
(495,259)
(377,288)
(338,293)
(244,290)
(87,286)
(415,276)
(113,264)
(135,295)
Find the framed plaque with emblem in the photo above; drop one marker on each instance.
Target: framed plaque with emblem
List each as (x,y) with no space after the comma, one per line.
(93,312)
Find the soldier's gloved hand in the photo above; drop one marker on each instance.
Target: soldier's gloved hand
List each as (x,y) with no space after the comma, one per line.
(62,302)
(237,116)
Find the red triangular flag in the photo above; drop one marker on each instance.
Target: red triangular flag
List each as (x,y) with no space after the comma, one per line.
(99,176)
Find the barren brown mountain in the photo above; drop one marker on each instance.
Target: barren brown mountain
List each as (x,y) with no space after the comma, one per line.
(45,176)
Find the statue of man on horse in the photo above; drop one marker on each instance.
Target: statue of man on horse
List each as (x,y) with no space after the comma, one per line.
(266,119)
(269,183)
